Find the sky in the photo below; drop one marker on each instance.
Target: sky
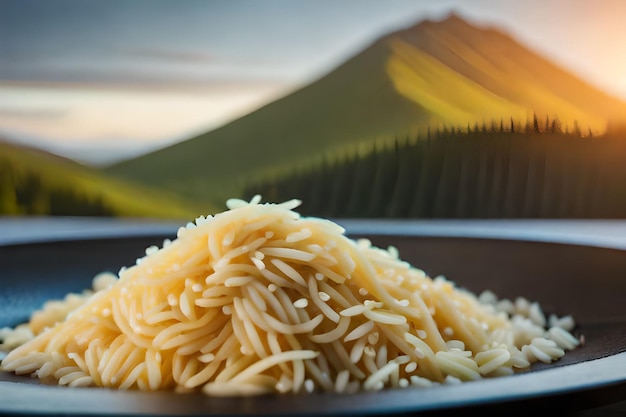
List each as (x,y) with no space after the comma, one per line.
(101,81)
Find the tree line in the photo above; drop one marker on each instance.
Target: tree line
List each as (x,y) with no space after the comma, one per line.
(500,169)
(29,194)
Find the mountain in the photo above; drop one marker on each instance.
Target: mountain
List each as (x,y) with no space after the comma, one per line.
(499,65)
(33,181)
(437,72)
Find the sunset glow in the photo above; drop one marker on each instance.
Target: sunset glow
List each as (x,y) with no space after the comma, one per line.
(126,121)
(147,74)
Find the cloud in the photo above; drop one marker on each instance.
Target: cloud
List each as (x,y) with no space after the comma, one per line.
(128,121)
(177,56)
(38,113)
(140,83)
(157,68)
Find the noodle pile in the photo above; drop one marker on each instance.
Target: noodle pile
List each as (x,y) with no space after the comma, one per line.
(258,299)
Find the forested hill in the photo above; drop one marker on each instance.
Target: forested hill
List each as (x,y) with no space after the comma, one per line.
(448,72)
(35,182)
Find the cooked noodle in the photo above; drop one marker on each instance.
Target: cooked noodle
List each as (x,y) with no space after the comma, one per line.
(258,299)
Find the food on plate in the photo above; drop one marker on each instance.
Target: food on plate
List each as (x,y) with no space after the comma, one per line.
(259,299)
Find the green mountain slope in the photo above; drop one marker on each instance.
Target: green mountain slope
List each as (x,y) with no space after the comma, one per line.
(357,102)
(435,73)
(37,182)
(493,60)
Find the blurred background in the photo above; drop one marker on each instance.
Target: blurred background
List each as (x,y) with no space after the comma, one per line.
(460,109)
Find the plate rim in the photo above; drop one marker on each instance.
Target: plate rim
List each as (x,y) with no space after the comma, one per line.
(604,233)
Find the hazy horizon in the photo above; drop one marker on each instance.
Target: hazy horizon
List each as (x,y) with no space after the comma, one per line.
(103,81)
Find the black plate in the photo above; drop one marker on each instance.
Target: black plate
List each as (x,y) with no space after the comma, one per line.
(587,282)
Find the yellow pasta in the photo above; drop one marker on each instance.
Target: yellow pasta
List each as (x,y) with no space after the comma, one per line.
(259,299)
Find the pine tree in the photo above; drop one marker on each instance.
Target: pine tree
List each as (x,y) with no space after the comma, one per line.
(8,198)
(577,132)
